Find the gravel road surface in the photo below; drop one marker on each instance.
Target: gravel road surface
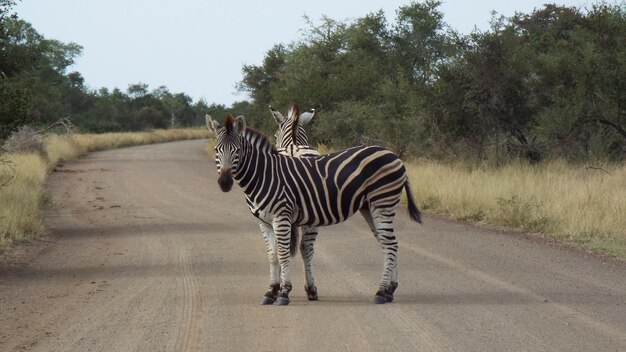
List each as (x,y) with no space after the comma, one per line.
(147,254)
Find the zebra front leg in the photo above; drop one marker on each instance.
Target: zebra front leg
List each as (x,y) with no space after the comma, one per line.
(270,243)
(306,250)
(282,230)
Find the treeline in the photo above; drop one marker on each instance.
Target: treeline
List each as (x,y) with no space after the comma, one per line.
(547,84)
(36,89)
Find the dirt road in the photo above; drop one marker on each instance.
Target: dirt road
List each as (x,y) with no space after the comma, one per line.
(147,254)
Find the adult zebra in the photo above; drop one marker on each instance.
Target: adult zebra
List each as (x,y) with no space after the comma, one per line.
(284,191)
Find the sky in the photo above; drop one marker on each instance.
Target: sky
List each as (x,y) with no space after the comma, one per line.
(199,46)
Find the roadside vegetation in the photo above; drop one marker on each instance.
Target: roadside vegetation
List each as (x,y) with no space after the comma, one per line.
(23,196)
(550,84)
(582,206)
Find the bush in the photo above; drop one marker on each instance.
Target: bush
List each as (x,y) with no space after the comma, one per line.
(26,140)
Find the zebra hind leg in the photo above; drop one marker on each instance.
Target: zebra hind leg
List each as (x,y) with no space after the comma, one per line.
(381,224)
(306,250)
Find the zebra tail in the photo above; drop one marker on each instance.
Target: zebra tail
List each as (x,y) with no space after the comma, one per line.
(293,243)
(414,213)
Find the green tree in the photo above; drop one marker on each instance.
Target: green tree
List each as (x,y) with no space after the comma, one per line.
(257,80)
(146,111)
(580,67)
(34,83)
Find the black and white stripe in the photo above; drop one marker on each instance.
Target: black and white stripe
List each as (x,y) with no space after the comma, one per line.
(282,191)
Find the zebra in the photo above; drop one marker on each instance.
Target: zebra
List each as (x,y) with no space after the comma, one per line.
(283,192)
(291,139)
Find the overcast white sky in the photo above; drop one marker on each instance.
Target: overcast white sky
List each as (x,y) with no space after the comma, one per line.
(199,46)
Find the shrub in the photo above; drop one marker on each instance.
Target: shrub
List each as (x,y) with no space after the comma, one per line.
(26,140)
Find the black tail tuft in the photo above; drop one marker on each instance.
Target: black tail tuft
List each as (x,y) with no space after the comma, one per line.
(414,213)
(293,243)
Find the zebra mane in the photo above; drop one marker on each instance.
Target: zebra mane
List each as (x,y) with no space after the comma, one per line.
(259,139)
(294,113)
(228,123)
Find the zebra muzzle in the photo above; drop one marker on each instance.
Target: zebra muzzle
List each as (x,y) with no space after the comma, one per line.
(225,180)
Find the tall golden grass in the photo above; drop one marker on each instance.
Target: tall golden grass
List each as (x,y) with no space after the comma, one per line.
(575,204)
(62,147)
(23,200)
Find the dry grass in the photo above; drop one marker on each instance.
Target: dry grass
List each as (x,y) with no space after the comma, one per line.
(323,148)
(94,142)
(574,204)
(23,200)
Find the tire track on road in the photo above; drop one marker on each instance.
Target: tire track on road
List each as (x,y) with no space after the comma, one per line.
(190,334)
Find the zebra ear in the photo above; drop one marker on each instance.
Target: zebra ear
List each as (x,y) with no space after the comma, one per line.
(240,124)
(306,116)
(212,125)
(277,115)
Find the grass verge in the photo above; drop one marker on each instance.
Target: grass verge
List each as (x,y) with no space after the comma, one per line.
(573,204)
(23,200)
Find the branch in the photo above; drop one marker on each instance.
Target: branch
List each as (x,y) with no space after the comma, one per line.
(11,166)
(65,122)
(604,121)
(596,168)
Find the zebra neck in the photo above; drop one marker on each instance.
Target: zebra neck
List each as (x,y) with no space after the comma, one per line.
(255,157)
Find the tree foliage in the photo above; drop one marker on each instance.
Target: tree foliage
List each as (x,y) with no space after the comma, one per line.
(37,88)
(545,84)
(550,83)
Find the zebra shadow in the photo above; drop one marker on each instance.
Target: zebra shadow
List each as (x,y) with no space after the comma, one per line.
(448,299)
(462,298)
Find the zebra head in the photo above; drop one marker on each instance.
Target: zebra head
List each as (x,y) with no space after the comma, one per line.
(290,129)
(227,146)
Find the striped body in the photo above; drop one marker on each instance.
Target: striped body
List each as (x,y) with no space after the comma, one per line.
(322,190)
(283,191)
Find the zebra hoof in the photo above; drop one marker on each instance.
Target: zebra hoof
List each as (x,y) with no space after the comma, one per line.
(267,301)
(388,297)
(282,301)
(389,292)
(392,288)
(311,293)
(380,299)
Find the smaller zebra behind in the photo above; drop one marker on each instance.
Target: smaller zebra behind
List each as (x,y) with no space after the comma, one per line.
(283,191)
(291,139)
